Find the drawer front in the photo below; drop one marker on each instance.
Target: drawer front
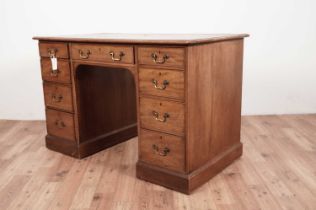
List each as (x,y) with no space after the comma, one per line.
(61,75)
(165,83)
(58,49)
(60,124)
(161,56)
(58,96)
(162,115)
(103,53)
(162,150)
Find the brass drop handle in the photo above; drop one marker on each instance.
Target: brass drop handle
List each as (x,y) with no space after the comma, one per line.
(112,54)
(52,52)
(164,84)
(56,98)
(161,152)
(60,124)
(84,54)
(54,73)
(156,116)
(155,58)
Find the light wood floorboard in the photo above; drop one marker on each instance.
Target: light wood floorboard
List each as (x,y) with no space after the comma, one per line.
(277,171)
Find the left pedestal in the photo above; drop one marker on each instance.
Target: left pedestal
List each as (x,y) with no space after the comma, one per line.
(88,107)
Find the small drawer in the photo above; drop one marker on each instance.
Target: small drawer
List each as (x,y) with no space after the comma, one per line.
(58,96)
(162,150)
(61,75)
(162,115)
(60,124)
(165,83)
(56,49)
(103,53)
(161,56)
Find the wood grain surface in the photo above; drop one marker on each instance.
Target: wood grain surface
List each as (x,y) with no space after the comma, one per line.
(276,171)
(214,100)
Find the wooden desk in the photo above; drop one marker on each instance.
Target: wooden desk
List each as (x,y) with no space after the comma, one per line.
(180,93)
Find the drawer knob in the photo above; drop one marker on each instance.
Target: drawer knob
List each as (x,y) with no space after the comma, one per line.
(84,54)
(156,116)
(164,84)
(159,60)
(161,152)
(60,124)
(112,54)
(56,98)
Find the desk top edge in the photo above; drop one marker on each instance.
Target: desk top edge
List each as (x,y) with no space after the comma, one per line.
(177,39)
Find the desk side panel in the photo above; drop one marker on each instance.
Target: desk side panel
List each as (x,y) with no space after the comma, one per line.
(214,82)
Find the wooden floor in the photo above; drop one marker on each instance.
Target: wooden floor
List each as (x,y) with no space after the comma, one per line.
(276,171)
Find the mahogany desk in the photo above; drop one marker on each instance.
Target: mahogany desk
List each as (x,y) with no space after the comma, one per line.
(181,94)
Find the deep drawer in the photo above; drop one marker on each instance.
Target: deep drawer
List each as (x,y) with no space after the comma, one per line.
(163,150)
(103,53)
(158,82)
(162,115)
(161,56)
(60,124)
(58,96)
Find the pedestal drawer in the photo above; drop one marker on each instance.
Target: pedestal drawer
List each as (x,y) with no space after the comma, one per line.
(61,75)
(60,124)
(162,150)
(58,96)
(165,83)
(161,56)
(53,49)
(162,115)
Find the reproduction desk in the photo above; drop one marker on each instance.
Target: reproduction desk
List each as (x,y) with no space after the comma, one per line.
(181,94)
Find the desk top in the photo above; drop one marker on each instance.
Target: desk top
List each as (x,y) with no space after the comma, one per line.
(179,39)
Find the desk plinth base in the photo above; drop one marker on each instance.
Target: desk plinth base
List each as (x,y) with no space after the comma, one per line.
(186,183)
(89,147)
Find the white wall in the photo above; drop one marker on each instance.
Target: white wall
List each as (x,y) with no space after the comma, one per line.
(279,60)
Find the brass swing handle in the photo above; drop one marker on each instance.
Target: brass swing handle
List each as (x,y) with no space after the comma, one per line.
(54,73)
(161,152)
(156,116)
(52,54)
(155,58)
(84,54)
(112,54)
(164,84)
(60,124)
(56,98)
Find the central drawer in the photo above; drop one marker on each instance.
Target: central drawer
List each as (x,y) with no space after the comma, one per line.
(103,53)
(162,115)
